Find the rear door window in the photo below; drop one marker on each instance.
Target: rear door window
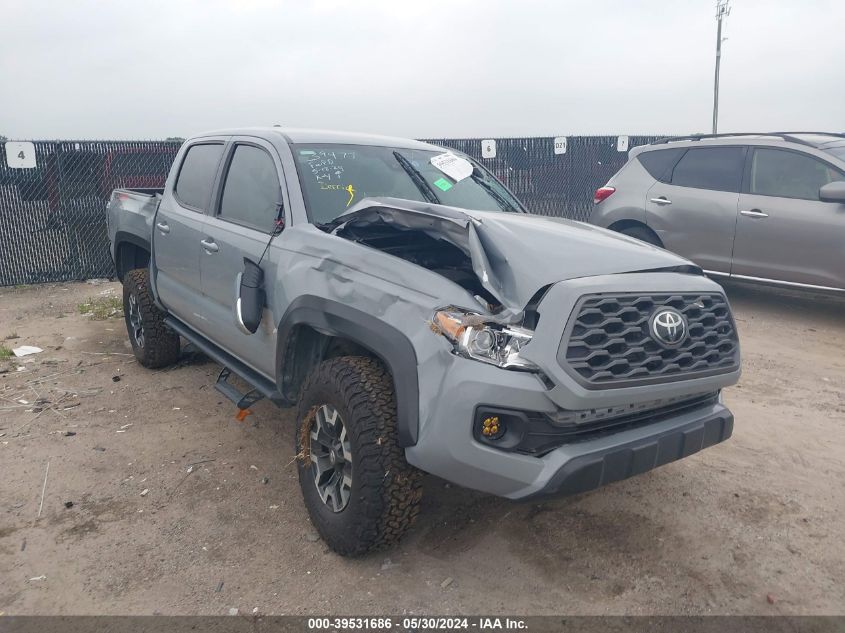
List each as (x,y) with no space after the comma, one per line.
(716,168)
(196,175)
(785,174)
(252,192)
(659,162)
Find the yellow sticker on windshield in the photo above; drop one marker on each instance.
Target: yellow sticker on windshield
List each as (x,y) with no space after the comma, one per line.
(351,193)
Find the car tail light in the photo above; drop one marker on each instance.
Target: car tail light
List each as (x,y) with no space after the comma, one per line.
(603,193)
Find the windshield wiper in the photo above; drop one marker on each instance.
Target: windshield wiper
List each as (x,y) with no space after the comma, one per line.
(503,202)
(426,191)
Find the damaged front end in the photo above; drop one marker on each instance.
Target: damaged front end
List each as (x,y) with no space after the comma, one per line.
(503,259)
(506,261)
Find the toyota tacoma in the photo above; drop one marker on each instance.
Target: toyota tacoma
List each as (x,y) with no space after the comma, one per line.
(419,320)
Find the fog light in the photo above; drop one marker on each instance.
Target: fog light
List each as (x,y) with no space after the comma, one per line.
(492,428)
(503,429)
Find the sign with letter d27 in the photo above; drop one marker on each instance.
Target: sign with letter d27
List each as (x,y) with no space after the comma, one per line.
(20,155)
(560,145)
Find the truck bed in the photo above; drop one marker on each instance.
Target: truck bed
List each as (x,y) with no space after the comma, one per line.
(132,211)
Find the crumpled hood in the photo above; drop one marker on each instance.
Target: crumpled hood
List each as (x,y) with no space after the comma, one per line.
(514,255)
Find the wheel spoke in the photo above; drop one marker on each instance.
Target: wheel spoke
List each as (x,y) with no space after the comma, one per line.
(330,419)
(337,496)
(325,439)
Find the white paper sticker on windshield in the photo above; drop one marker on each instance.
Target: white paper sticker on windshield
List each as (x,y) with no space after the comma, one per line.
(454,166)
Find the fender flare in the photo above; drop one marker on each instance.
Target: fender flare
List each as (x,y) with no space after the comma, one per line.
(123,237)
(391,346)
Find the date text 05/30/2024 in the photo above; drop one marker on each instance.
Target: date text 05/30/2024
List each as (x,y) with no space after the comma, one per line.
(417,623)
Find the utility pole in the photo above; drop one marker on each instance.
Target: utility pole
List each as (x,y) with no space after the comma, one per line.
(723,10)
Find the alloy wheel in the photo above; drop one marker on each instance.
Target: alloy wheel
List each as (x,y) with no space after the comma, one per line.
(331,458)
(135,321)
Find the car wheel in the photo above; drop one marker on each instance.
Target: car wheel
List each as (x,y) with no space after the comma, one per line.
(644,234)
(360,492)
(154,344)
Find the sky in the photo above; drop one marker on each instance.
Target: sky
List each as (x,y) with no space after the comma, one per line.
(422,68)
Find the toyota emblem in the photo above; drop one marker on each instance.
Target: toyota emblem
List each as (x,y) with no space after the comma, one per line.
(669,327)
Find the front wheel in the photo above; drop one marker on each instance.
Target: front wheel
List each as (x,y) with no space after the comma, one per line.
(154,344)
(360,492)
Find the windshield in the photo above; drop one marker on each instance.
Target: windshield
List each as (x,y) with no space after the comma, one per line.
(336,177)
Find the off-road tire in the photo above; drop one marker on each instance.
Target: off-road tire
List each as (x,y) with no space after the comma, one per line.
(642,233)
(385,490)
(160,344)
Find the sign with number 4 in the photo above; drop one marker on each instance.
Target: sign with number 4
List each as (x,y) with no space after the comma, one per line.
(20,155)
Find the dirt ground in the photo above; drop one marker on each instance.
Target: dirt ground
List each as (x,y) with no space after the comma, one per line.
(751,526)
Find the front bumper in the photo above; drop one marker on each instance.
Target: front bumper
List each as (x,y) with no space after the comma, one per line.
(635,456)
(446,446)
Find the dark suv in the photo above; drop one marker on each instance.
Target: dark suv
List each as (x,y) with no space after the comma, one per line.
(760,207)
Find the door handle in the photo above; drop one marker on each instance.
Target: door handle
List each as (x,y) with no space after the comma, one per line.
(163,227)
(210,246)
(661,200)
(754,213)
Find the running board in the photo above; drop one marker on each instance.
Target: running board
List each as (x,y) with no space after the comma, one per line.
(261,386)
(241,400)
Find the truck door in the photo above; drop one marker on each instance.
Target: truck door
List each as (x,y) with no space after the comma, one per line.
(784,232)
(240,225)
(177,231)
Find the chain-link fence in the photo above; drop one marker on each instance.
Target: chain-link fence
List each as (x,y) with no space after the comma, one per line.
(53,197)
(550,180)
(53,194)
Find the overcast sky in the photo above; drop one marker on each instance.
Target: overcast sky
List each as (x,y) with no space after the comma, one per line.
(418,68)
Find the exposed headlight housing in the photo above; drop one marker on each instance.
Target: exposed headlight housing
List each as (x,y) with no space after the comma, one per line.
(483,340)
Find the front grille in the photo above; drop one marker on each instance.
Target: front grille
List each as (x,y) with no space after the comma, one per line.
(608,341)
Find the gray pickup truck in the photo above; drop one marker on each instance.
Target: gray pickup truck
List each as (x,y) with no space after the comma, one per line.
(419,319)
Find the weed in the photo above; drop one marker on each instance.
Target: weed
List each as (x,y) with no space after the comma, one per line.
(101,308)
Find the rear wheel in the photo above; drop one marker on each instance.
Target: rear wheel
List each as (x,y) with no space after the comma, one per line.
(360,492)
(643,233)
(154,344)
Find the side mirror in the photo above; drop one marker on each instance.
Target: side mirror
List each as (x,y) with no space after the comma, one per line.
(833,192)
(250,302)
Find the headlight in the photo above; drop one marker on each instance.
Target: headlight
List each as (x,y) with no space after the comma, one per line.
(483,340)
